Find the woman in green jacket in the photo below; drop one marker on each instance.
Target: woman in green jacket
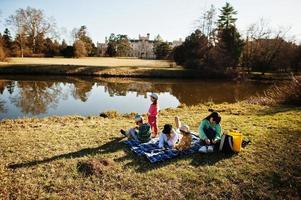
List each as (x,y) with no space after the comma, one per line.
(210,132)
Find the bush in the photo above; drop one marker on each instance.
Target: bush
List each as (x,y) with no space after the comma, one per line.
(288,93)
(110,114)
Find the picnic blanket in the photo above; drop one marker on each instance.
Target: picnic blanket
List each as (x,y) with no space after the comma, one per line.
(154,154)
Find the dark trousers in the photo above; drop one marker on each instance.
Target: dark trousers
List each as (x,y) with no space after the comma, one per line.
(210,134)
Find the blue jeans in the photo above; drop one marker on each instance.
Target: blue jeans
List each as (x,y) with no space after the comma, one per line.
(132,133)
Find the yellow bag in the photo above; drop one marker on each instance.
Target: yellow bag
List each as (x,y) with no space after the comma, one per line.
(237,140)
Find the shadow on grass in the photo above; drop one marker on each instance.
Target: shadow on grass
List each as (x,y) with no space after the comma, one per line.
(109,147)
(141,164)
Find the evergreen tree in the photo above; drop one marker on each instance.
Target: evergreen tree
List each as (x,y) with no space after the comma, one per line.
(162,50)
(230,44)
(112,46)
(7,41)
(227,19)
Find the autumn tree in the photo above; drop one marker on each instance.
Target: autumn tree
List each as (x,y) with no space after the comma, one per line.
(79,49)
(82,34)
(2,52)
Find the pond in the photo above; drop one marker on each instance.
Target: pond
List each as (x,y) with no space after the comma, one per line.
(38,96)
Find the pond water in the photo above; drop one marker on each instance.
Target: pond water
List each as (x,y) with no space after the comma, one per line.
(38,96)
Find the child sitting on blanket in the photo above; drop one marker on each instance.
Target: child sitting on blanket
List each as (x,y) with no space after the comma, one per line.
(185,136)
(141,133)
(185,140)
(168,137)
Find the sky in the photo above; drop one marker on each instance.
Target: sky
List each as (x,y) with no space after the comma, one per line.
(172,19)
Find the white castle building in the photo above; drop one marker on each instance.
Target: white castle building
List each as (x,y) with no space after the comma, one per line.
(142,47)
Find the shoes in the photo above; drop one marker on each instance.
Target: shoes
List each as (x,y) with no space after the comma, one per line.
(210,149)
(203,149)
(123,132)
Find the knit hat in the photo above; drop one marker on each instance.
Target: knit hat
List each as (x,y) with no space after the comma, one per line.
(167,129)
(138,118)
(155,96)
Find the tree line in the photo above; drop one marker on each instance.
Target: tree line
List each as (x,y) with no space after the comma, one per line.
(35,37)
(217,46)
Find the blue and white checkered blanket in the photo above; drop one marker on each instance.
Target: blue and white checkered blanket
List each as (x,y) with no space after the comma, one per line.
(154,154)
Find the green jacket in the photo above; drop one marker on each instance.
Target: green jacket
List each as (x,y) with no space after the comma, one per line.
(206,124)
(144,132)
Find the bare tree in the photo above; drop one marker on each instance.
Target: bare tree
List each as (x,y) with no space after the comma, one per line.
(33,24)
(264,46)
(207,23)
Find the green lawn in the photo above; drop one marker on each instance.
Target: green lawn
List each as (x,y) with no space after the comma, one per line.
(44,155)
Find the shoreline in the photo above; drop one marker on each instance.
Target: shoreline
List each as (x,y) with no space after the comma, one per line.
(133,72)
(123,67)
(105,71)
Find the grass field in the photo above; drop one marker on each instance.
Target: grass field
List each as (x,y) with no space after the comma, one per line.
(92,61)
(40,158)
(103,67)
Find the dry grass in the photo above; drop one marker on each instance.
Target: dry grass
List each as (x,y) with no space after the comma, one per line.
(103,67)
(40,158)
(288,93)
(92,61)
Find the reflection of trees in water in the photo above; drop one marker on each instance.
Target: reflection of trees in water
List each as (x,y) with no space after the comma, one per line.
(142,88)
(9,85)
(218,92)
(189,92)
(2,106)
(36,97)
(81,90)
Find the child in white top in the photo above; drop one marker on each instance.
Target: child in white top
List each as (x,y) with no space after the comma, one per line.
(168,137)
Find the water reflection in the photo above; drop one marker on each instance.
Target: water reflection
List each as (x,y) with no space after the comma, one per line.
(81,90)
(33,96)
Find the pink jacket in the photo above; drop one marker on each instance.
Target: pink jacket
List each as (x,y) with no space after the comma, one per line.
(153,110)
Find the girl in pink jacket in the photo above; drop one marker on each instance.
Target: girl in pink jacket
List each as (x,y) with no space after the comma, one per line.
(153,114)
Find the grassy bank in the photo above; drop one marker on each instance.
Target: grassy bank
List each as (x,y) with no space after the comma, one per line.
(90,61)
(44,155)
(102,67)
